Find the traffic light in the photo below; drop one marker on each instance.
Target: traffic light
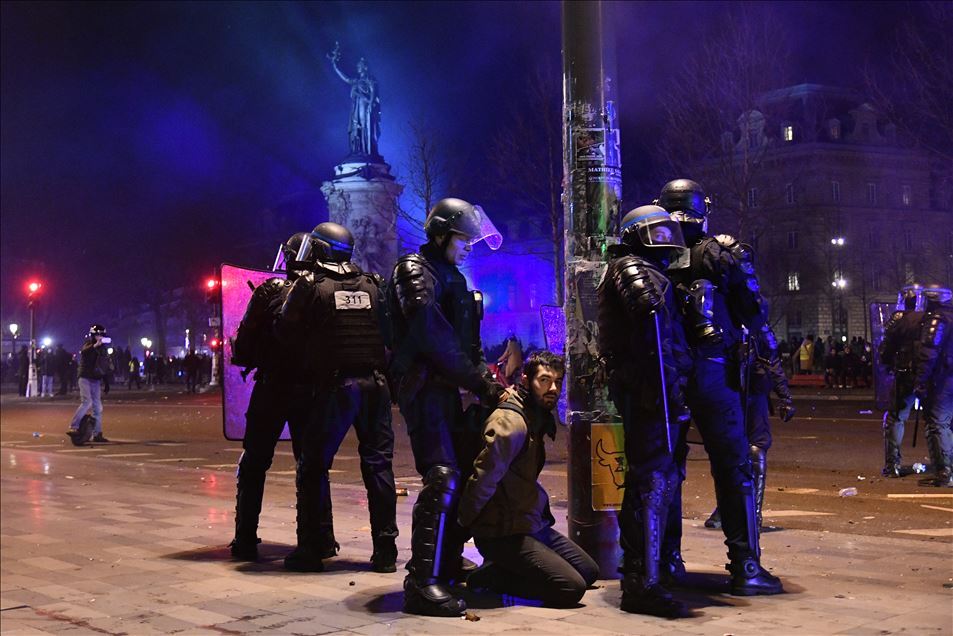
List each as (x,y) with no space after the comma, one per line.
(33,289)
(214,344)
(213,289)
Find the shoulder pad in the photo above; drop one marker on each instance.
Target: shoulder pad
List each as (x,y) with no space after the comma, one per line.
(934,330)
(413,283)
(726,240)
(639,283)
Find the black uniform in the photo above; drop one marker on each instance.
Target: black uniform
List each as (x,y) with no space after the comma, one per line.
(933,383)
(335,312)
(637,312)
(897,352)
(437,351)
(281,394)
(721,299)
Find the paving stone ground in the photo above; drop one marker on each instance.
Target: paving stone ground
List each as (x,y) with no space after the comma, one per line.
(127,547)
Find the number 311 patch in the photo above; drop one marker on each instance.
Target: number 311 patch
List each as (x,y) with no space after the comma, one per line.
(352,300)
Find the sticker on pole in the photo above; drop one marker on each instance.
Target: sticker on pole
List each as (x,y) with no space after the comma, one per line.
(608,466)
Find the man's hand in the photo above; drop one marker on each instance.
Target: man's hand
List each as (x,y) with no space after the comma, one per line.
(786,409)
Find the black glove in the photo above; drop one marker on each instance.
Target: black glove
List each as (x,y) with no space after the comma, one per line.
(490,395)
(786,408)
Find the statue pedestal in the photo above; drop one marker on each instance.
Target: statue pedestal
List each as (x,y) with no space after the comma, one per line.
(362,197)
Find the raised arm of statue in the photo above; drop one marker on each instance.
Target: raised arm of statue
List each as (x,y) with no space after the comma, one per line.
(335,57)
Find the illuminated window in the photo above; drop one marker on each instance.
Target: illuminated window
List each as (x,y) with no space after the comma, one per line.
(906,195)
(792,240)
(789,193)
(872,194)
(794,284)
(788,133)
(753,198)
(835,191)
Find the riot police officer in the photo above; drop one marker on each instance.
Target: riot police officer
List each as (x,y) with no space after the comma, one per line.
(281,394)
(335,315)
(721,300)
(897,352)
(437,351)
(764,375)
(933,380)
(643,345)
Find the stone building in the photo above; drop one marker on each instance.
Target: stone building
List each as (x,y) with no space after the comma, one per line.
(842,211)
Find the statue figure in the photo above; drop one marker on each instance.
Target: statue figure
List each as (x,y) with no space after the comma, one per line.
(364,127)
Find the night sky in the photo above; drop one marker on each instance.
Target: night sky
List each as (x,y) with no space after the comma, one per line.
(143,142)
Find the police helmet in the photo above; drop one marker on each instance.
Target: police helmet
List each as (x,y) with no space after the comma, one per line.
(910,298)
(650,231)
(286,259)
(327,243)
(937,295)
(458,216)
(685,200)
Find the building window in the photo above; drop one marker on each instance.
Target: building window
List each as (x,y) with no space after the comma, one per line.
(753,198)
(789,193)
(871,193)
(792,240)
(875,280)
(795,318)
(908,240)
(873,239)
(906,195)
(835,191)
(788,132)
(793,283)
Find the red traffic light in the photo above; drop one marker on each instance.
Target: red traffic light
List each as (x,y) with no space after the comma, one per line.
(34,286)
(211,283)
(213,343)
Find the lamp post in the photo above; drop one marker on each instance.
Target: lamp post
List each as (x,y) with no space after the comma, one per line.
(14,328)
(34,289)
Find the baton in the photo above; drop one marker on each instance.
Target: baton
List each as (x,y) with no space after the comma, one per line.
(661,366)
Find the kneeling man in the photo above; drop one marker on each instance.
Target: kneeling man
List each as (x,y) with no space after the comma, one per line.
(505,507)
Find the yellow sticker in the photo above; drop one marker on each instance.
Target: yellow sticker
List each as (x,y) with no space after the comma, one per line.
(608,466)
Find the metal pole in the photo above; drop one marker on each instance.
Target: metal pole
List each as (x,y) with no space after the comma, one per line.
(31,388)
(592,174)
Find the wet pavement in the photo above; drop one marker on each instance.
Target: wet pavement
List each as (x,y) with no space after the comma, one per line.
(129,538)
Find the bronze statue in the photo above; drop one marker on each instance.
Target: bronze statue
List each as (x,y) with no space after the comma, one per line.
(364,127)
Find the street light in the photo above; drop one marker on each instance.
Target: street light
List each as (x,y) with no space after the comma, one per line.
(14,328)
(47,341)
(839,283)
(838,241)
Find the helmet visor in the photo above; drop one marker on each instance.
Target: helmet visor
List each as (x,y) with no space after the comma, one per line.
(307,252)
(937,295)
(661,233)
(477,226)
(281,263)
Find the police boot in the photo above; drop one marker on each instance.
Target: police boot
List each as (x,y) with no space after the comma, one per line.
(759,471)
(748,578)
(251,488)
(944,478)
(641,536)
(426,592)
(714,519)
(384,558)
(307,555)
(671,567)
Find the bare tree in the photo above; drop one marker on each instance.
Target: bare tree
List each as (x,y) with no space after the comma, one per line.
(526,160)
(714,122)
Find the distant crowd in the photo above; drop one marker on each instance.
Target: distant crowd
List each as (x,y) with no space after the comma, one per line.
(844,364)
(56,370)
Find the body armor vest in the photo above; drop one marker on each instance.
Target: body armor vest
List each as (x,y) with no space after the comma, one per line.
(350,341)
(701,268)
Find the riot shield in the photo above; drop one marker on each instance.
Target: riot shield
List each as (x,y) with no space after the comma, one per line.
(883,381)
(238,283)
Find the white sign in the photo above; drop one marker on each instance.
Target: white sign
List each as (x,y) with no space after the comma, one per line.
(352,300)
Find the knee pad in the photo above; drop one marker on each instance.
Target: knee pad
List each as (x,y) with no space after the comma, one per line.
(441,484)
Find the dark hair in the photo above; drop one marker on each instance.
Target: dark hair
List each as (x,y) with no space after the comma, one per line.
(543,358)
